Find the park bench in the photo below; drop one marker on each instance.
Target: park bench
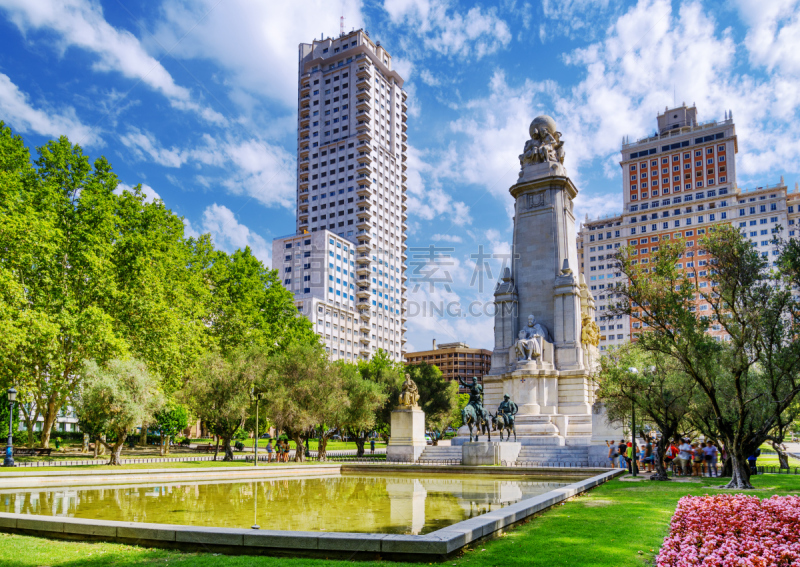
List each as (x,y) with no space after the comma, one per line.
(206,448)
(35,452)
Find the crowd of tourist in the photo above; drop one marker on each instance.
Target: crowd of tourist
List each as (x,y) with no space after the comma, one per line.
(681,456)
(280,451)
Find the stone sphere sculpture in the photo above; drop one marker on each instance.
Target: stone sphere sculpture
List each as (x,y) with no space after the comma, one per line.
(542,121)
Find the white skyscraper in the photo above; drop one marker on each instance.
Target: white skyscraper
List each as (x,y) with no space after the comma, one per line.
(345,264)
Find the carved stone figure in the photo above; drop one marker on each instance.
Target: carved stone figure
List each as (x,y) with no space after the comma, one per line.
(529,344)
(527,349)
(590,332)
(545,144)
(409,397)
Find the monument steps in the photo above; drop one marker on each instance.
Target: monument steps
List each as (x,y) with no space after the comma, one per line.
(441,453)
(544,454)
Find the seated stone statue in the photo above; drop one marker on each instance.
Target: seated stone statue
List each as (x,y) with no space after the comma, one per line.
(530,342)
(527,349)
(409,397)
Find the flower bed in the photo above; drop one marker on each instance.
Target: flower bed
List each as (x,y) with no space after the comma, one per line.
(733,531)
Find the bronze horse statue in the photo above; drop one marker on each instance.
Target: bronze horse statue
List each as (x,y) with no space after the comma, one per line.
(501,422)
(478,420)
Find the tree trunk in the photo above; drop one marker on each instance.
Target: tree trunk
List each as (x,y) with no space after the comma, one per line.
(227,448)
(116,450)
(661,470)
(299,453)
(30,422)
(50,417)
(143,435)
(216,450)
(96,447)
(783,458)
(161,447)
(102,444)
(85,446)
(322,448)
(727,467)
(741,473)
(360,442)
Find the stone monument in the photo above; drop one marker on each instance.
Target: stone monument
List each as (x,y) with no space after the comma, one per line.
(545,350)
(407,435)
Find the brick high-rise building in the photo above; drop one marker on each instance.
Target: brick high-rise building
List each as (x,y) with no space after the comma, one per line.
(454,360)
(676,184)
(345,263)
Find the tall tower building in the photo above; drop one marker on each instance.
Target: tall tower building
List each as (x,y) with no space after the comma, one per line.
(345,262)
(676,184)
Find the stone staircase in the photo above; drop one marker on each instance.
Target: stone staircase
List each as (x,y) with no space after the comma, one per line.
(551,455)
(441,454)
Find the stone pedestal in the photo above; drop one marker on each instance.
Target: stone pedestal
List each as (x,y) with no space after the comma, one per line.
(477,453)
(407,440)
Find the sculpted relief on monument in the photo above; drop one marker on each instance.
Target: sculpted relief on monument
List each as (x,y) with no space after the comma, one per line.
(529,343)
(590,332)
(545,146)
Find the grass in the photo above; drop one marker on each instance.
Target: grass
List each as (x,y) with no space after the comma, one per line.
(619,523)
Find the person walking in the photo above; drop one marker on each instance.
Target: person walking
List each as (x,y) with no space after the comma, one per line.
(648,455)
(710,458)
(622,450)
(269,450)
(612,454)
(630,455)
(697,460)
(372,446)
(685,457)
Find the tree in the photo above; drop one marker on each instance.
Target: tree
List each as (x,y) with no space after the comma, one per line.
(750,378)
(659,390)
(219,392)
(438,398)
(365,399)
(458,420)
(114,398)
(382,370)
(303,390)
(170,420)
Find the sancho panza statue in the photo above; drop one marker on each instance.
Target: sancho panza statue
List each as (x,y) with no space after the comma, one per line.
(409,397)
(529,344)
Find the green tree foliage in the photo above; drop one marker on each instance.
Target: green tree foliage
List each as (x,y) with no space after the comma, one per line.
(658,389)
(365,398)
(170,420)
(113,399)
(219,392)
(303,390)
(457,419)
(382,370)
(750,380)
(438,398)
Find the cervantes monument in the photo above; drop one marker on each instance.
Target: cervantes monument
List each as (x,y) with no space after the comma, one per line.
(545,336)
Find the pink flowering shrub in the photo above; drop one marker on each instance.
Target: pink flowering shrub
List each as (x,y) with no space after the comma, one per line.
(733,531)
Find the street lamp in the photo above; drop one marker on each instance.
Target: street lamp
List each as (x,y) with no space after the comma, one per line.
(255,446)
(634,468)
(9,460)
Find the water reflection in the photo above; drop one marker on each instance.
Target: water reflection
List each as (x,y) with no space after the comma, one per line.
(347,503)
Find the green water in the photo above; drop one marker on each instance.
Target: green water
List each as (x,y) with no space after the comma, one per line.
(347,503)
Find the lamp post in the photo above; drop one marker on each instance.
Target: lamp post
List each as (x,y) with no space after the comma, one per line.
(634,468)
(9,460)
(255,446)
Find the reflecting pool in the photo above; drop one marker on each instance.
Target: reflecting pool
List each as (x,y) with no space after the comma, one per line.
(400,504)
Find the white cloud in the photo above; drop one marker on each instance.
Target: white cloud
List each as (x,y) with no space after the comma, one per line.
(253,167)
(446,32)
(429,79)
(774,35)
(429,202)
(446,238)
(229,235)
(256,42)
(150,194)
(17,111)
(582,19)
(81,24)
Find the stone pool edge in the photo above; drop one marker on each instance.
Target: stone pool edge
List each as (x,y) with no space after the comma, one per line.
(437,544)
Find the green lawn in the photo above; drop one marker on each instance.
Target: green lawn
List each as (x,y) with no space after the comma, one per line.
(619,523)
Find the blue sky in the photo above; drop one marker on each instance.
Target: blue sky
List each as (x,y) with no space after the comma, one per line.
(197,101)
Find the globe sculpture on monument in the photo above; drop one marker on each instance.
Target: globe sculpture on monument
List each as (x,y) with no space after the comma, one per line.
(407,434)
(545,349)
